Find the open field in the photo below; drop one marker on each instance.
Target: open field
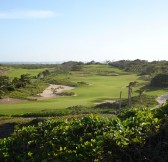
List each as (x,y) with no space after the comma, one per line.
(100,87)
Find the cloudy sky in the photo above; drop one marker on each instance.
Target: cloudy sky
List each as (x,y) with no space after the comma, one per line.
(83,30)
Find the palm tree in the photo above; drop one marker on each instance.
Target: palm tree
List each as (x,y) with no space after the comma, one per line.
(130,86)
(120,100)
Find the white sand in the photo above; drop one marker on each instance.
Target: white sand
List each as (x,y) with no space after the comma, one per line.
(48,92)
(59,88)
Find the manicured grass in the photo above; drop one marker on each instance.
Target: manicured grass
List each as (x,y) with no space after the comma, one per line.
(156,91)
(99,88)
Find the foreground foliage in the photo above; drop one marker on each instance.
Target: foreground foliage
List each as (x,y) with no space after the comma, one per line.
(128,137)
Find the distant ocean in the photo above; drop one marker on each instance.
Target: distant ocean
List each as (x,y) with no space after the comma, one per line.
(56,62)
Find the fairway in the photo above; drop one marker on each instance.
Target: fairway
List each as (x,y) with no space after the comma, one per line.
(99,88)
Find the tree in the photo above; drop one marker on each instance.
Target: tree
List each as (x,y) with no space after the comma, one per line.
(40,75)
(4,81)
(45,73)
(130,86)
(25,78)
(16,82)
(160,80)
(22,81)
(5,85)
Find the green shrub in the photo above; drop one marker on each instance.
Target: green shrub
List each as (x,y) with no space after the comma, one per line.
(90,138)
(66,93)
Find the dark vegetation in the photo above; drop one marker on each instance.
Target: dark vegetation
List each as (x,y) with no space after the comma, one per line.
(138,134)
(22,87)
(142,67)
(160,80)
(66,94)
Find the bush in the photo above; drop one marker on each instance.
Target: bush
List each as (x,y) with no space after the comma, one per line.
(160,80)
(66,93)
(90,138)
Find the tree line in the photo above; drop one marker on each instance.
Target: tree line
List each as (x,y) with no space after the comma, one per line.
(143,67)
(157,70)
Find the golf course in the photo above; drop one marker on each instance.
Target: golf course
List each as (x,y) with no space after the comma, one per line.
(83,81)
(89,111)
(101,83)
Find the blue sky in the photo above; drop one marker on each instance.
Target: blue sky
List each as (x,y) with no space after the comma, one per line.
(83,30)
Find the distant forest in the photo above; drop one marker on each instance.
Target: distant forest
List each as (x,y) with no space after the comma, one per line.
(156,71)
(143,67)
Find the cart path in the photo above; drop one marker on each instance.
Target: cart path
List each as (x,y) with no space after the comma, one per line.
(162,99)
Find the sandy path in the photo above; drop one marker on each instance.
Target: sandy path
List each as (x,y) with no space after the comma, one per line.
(162,99)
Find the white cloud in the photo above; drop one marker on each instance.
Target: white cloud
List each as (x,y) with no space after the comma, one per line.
(29,14)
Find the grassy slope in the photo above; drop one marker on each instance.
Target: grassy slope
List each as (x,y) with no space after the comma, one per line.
(101,87)
(19,71)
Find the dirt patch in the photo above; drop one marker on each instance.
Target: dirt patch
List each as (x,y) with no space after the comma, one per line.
(11,100)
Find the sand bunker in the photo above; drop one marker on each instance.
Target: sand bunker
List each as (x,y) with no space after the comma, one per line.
(53,91)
